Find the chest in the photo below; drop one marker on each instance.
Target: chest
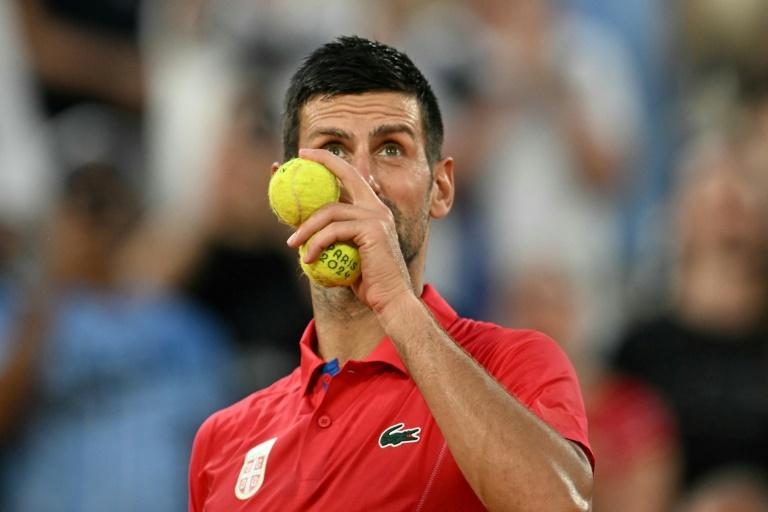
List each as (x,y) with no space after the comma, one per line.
(97,346)
(369,443)
(718,392)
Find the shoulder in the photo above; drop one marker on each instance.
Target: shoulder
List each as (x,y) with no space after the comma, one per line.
(220,436)
(523,360)
(229,423)
(490,344)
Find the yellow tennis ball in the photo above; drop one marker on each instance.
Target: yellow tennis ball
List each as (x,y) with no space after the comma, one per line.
(298,188)
(337,265)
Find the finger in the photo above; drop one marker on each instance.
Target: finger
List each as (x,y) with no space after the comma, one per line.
(333,212)
(337,232)
(351,180)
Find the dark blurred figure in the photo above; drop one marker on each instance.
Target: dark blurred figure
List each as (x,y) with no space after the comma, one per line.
(708,353)
(101,387)
(82,50)
(631,429)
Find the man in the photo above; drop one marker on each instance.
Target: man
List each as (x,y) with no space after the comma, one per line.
(398,404)
(102,384)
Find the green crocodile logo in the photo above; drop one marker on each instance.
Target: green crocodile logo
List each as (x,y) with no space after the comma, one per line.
(395,436)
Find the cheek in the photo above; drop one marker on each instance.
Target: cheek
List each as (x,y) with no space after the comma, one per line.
(409,200)
(409,192)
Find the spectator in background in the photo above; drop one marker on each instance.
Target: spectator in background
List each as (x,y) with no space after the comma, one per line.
(209,218)
(632,429)
(244,273)
(708,353)
(101,387)
(547,117)
(568,137)
(649,30)
(231,258)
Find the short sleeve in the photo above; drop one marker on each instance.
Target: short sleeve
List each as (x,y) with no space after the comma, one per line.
(534,369)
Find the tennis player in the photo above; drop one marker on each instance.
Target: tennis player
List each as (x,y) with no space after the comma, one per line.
(398,403)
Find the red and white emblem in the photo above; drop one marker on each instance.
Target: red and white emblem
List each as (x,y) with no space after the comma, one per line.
(252,473)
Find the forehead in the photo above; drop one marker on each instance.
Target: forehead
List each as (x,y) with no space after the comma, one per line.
(365,110)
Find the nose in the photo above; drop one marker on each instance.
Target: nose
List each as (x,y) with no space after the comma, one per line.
(363,165)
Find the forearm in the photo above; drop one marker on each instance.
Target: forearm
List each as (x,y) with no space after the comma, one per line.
(79,60)
(17,377)
(598,164)
(512,460)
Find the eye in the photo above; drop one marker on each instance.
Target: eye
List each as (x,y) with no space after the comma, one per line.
(391,149)
(336,149)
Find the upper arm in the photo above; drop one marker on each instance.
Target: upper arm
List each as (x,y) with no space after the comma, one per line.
(584,454)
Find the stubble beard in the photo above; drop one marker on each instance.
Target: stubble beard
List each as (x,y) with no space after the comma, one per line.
(411,230)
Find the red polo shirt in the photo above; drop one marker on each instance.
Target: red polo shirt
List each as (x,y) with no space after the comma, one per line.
(365,439)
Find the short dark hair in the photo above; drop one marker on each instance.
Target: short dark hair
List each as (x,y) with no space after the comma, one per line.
(354,65)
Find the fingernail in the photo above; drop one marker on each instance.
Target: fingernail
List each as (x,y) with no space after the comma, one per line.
(290,239)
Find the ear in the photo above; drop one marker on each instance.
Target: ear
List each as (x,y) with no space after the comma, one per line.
(275,167)
(441,199)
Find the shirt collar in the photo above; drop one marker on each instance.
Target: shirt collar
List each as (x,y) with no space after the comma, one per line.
(384,352)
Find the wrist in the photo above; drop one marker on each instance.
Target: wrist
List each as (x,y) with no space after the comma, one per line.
(392,314)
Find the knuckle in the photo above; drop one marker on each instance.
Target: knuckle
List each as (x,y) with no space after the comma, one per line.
(388,216)
(385,226)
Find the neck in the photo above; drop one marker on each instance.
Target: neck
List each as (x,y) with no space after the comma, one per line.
(346,328)
(722,294)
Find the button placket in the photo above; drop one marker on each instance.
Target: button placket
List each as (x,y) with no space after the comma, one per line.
(324,421)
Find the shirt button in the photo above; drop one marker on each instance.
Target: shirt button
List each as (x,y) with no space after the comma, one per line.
(324,421)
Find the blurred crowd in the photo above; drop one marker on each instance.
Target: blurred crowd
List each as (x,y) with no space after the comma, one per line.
(612,192)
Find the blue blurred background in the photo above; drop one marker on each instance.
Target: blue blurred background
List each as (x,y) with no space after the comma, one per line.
(612,192)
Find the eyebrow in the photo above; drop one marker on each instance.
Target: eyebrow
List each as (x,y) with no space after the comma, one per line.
(389,129)
(333,132)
